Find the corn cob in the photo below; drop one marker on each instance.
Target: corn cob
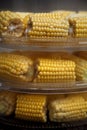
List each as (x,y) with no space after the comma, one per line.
(43,27)
(11,24)
(79,25)
(81,68)
(69,109)
(54,70)
(7,103)
(16,67)
(31,107)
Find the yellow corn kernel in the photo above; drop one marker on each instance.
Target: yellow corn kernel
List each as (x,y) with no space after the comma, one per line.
(16,67)
(31,107)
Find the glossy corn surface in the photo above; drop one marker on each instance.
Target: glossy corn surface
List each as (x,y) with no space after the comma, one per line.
(43,27)
(55,70)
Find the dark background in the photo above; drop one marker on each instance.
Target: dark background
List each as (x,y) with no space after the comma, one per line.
(42,5)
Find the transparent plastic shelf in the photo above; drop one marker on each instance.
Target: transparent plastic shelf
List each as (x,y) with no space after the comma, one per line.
(51,44)
(44,88)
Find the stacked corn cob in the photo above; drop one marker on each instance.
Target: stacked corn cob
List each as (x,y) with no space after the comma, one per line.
(79,25)
(5,16)
(81,68)
(43,27)
(31,107)
(11,23)
(7,103)
(16,67)
(68,109)
(55,70)
(52,24)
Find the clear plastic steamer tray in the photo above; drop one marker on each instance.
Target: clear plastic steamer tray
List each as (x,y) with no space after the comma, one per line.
(45,88)
(58,43)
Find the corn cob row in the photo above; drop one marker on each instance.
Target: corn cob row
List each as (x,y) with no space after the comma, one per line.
(53,24)
(43,27)
(7,103)
(68,109)
(16,67)
(31,107)
(79,25)
(53,70)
